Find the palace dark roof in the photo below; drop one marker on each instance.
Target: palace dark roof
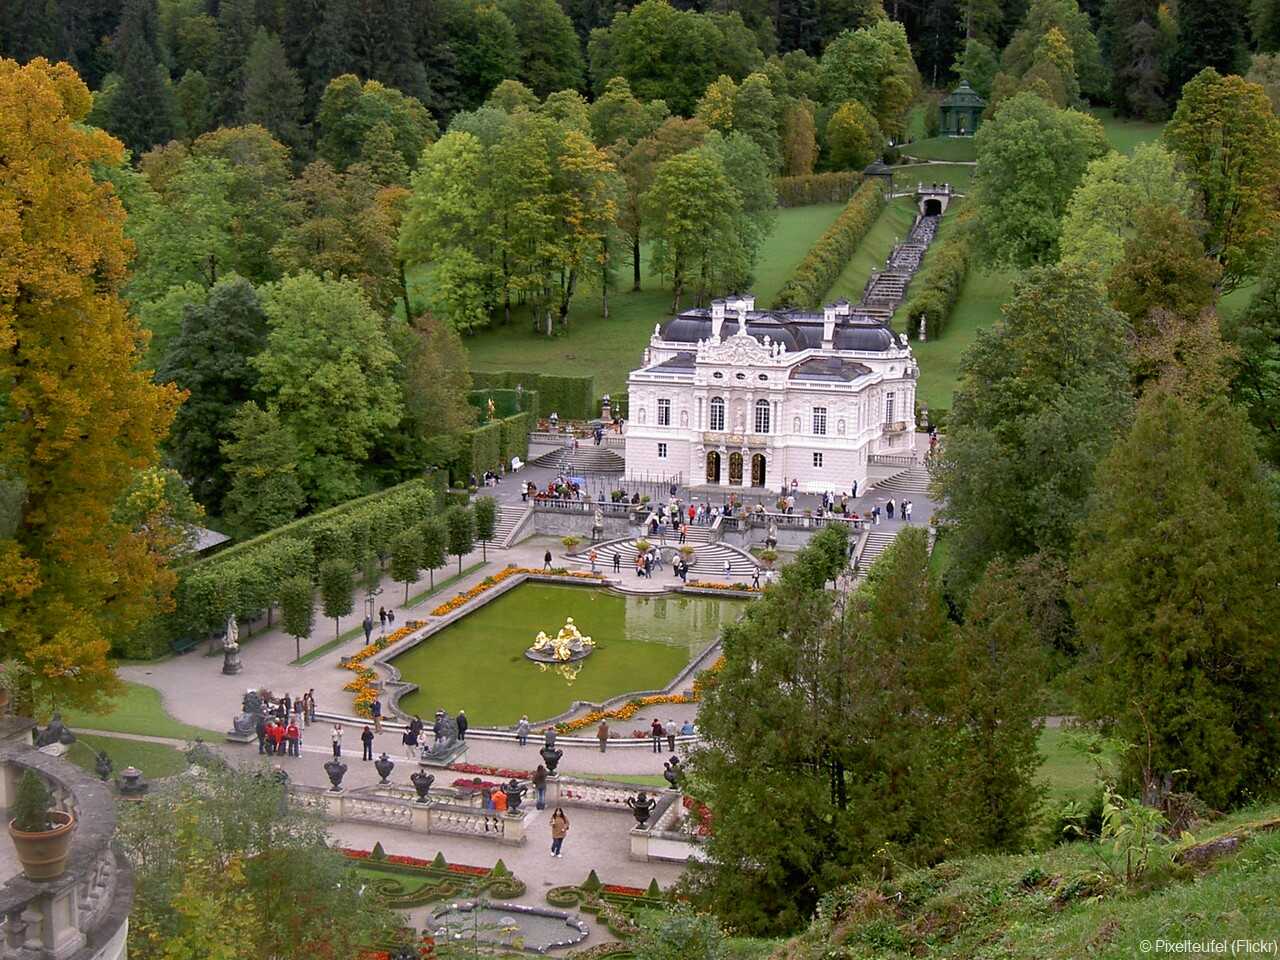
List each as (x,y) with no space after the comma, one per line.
(794,329)
(829,370)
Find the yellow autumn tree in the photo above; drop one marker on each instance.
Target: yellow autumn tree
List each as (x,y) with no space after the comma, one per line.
(78,418)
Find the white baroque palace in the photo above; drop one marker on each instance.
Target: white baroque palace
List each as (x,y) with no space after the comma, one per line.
(733,396)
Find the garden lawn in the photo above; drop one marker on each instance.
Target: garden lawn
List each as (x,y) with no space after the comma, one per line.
(979,306)
(1124,134)
(153,759)
(892,225)
(610,349)
(138,710)
(1066,773)
(942,148)
(959,175)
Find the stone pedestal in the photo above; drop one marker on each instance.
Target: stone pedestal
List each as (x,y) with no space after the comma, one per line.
(231,664)
(444,756)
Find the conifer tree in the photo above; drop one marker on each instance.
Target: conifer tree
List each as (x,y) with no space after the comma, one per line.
(273,92)
(1177,607)
(142,108)
(1210,34)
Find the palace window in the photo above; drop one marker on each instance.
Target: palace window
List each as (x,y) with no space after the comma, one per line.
(664,413)
(888,408)
(817,459)
(662,451)
(820,421)
(762,416)
(717,413)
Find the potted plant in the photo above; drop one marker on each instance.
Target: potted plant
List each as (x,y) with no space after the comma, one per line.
(570,542)
(768,558)
(41,835)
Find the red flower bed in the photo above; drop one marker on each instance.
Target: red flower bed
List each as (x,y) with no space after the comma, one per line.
(504,772)
(625,891)
(700,814)
(475,784)
(415,862)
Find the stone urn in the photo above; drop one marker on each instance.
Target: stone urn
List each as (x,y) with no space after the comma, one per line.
(422,782)
(335,769)
(550,758)
(515,795)
(384,765)
(641,805)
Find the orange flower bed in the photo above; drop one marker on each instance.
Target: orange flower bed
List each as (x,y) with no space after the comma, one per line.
(711,585)
(365,683)
(632,707)
(488,583)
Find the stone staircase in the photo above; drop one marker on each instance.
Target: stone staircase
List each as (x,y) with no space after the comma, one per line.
(510,519)
(588,458)
(912,483)
(888,288)
(877,541)
(697,534)
(707,562)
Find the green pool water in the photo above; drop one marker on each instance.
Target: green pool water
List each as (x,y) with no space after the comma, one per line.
(478,664)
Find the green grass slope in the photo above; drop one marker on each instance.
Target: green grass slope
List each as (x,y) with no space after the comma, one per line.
(1066,903)
(954,149)
(1124,134)
(610,349)
(892,225)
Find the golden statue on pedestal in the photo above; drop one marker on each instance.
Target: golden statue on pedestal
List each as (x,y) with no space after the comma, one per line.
(568,644)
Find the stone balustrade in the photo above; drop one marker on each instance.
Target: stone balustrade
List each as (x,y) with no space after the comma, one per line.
(663,839)
(386,808)
(596,794)
(84,914)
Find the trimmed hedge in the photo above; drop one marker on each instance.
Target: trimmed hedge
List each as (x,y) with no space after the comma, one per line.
(574,398)
(834,187)
(827,258)
(505,402)
(938,286)
(515,436)
(245,579)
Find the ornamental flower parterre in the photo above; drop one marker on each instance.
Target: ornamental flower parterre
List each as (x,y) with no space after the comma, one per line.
(365,684)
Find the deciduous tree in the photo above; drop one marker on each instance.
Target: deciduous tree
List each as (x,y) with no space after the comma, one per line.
(853,137)
(297,609)
(337,586)
(82,418)
(1228,138)
(261,462)
(550,56)
(460,525)
(1256,380)
(328,369)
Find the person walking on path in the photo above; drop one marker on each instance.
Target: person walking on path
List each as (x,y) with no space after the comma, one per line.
(375,711)
(906,509)
(410,742)
(261,731)
(728,569)
(546,560)
(602,734)
(539,781)
(617,563)
(368,628)
(593,556)
(336,737)
(522,730)
(755,579)
(462,724)
(559,830)
(888,508)
(671,735)
(656,731)
(382,617)
(311,706)
(366,738)
(293,739)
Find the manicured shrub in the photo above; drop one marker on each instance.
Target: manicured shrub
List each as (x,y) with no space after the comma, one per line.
(825,260)
(937,288)
(832,187)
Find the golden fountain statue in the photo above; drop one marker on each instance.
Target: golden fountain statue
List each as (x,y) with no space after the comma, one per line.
(569,644)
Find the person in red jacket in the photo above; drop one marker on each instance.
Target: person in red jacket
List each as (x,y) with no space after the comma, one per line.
(277,737)
(293,739)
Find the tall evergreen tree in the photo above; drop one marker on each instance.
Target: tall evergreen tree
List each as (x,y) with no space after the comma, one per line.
(1256,383)
(210,360)
(1210,34)
(550,55)
(273,92)
(1177,608)
(142,108)
(237,24)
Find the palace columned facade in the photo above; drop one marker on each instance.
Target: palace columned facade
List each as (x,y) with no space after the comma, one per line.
(733,396)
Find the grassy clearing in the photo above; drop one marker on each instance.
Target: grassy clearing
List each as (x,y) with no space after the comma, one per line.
(1124,135)
(892,225)
(138,710)
(153,759)
(959,175)
(609,349)
(952,149)
(1068,902)
(1066,773)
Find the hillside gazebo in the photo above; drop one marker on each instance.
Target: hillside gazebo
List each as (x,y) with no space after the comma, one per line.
(962,111)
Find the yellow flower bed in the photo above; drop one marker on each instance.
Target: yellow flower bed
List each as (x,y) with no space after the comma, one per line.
(488,583)
(632,707)
(711,585)
(365,683)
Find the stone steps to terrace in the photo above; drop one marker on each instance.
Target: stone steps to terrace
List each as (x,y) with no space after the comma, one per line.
(510,518)
(587,458)
(888,288)
(911,482)
(707,562)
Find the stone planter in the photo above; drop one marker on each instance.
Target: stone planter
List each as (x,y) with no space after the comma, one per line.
(43,854)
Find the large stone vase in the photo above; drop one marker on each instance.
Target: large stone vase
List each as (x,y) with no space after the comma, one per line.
(335,769)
